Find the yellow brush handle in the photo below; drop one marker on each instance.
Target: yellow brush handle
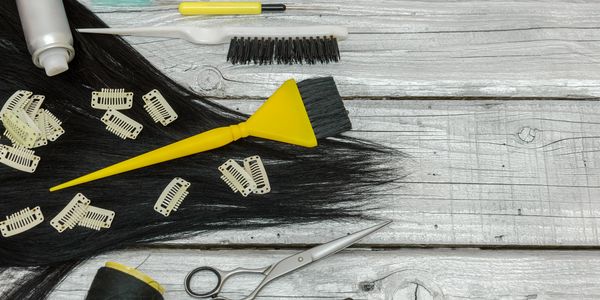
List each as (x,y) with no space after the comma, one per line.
(205,141)
(220,8)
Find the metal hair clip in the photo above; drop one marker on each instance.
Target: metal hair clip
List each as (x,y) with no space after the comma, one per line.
(236,178)
(33,104)
(121,125)
(17,100)
(97,218)
(20,128)
(19,158)
(69,216)
(158,108)
(112,98)
(254,166)
(21,221)
(172,196)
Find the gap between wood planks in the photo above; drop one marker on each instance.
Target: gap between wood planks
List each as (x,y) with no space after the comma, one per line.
(359,246)
(429,98)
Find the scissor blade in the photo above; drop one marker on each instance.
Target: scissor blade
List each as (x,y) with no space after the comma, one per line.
(337,245)
(304,258)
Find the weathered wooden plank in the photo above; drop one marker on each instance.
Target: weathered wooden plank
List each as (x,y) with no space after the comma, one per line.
(399,48)
(362,274)
(480,173)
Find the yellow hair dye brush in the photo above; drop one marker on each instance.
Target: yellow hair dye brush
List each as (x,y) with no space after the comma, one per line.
(297,113)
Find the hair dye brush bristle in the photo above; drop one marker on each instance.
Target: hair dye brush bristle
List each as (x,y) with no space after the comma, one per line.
(323,103)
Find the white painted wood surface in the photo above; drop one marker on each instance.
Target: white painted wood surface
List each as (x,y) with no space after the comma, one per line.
(374,275)
(480,173)
(399,48)
(483,172)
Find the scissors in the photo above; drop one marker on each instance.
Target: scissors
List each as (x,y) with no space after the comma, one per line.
(283,267)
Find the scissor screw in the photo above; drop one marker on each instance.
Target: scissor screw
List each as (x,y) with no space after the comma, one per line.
(300,258)
(367,286)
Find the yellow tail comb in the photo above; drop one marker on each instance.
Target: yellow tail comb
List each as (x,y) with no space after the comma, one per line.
(284,117)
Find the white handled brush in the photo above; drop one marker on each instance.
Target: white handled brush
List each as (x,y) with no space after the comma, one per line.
(259,45)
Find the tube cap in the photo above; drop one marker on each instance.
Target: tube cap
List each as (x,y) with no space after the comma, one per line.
(54,61)
(137,274)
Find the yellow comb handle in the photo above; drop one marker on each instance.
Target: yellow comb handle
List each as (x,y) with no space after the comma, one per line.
(220,8)
(205,141)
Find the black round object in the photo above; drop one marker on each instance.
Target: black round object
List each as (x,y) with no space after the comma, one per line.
(188,282)
(115,285)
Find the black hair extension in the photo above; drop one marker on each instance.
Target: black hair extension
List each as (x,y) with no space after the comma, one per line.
(331,181)
(37,283)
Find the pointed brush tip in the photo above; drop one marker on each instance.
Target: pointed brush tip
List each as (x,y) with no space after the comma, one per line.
(59,187)
(62,186)
(88,30)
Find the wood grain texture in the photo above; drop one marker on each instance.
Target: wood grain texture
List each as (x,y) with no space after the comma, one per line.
(481,173)
(399,48)
(374,275)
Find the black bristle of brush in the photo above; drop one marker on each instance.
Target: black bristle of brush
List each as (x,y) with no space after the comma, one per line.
(283,50)
(326,111)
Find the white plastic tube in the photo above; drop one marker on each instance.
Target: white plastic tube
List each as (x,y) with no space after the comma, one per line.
(47,33)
